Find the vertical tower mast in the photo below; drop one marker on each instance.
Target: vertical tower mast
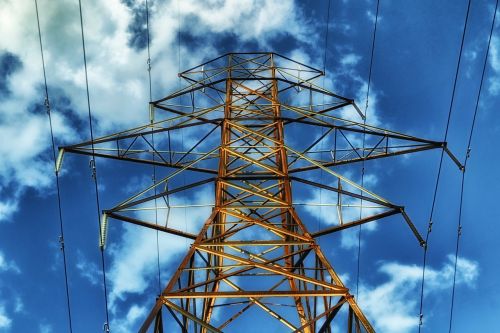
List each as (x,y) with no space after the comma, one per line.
(254,231)
(253,253)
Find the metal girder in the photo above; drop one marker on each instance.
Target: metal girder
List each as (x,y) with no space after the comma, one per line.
(254,247)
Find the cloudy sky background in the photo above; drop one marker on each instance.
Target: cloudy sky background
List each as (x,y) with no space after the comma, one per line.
(415,58)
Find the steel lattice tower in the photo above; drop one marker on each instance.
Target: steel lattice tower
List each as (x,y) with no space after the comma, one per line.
(254,252)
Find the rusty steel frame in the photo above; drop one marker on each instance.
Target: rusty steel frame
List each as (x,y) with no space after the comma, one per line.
(254,247)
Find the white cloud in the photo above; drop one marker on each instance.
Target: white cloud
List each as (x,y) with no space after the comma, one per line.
(126,324)
(350,59)
(392,305)
(372,112)
(18,305)
(8,266)
(134,260)
(45,328)
(494,55)
(5,320)
(371,16)
(494,60)
(117,71)
(23,130)
(88,270)
(471,55)
(249,19)
(118,91)
(7,208)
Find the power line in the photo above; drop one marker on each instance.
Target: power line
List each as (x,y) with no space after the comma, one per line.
(325,51)
(364,144)
(467,156)
(179,64)
(326,38)
(371,57)
(429,227)
(61,224)
(153,144)
(94,171)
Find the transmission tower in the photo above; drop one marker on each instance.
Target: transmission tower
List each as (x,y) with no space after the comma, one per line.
(254,254)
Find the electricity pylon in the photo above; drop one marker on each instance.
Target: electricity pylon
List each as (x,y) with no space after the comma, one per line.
(253,253)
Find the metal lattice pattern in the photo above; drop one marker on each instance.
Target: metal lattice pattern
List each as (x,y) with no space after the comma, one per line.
(254,251)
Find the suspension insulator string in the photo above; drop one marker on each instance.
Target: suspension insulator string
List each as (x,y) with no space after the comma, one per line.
(58,188)
(467,156)
(430,224)
(106,327)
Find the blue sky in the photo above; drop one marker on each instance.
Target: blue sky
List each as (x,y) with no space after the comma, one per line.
(414,65)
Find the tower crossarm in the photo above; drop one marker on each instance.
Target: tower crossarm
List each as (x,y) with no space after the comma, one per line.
(256,131)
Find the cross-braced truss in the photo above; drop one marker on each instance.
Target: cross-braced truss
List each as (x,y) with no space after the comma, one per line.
(254,254)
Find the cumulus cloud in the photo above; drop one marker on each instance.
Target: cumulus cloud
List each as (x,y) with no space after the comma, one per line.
(23,117)
(126,323)
(18,305)
(350,59)
(8,266)
(392,305)
(5,320)
(250,19)
(116,54)
(88,270)
(7,208)
(45,328)
(494,60)
(134,258)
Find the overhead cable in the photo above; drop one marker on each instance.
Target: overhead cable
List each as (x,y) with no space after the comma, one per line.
(429,227)
(61,223)
(467,156)
(94,170)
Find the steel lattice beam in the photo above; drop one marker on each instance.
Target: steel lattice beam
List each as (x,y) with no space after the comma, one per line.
(254,248)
